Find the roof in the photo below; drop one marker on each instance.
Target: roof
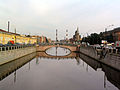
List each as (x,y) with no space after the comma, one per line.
(8,32)
(115,30)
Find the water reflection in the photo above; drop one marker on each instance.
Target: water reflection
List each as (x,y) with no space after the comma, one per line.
(111,74)
(56,51)
(62,51)
(45,55)
(11,67)
(72,71)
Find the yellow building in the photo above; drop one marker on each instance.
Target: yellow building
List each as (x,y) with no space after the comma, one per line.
(5,37)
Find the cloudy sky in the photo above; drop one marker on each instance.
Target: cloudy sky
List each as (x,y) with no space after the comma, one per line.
(43,17)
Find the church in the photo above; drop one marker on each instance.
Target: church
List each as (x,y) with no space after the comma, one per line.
(77,37)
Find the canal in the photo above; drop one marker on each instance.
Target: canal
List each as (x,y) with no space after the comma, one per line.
(58,69)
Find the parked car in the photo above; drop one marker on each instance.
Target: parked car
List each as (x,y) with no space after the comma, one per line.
(1,45)
(16,44)
(98,48)
(6,45)
(109,47)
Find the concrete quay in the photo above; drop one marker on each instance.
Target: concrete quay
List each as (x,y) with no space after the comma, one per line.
(10,55)
(108,58)
(10,67)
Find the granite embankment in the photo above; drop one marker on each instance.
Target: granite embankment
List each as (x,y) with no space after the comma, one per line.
(106,57)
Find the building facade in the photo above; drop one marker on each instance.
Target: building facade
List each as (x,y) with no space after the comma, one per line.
(5,37)
(77,37)
(113,35)
(43,39)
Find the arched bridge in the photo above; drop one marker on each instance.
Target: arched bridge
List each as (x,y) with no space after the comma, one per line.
(71,55)
(43,48)
(44,54)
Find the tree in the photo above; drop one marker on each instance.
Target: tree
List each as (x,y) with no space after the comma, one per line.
(94,38)
(110,38)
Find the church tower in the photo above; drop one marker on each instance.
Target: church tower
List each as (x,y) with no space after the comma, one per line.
(77,37)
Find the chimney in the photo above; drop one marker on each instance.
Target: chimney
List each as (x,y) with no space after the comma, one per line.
(8,25)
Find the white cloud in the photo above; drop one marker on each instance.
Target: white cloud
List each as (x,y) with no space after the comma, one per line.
(44,16)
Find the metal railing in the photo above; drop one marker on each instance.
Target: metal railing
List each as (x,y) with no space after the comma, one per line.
(67,44)
(12,47)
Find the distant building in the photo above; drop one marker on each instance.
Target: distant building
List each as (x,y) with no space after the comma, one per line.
(76,37)
(114,34)
(43,39)
(49,40)
(6,37)
(71,40)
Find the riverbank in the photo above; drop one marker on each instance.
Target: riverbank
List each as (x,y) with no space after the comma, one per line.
(12,66)
(11,55)
(110,59)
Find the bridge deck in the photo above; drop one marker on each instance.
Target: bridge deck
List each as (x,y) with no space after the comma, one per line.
(44,48)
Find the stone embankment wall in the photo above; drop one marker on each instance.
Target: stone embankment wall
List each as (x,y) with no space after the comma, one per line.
(7,69)
(90,51)
(103,56)
(112,59)
(111,74)
(10,55)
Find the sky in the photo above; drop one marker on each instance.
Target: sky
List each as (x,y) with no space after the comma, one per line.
(43,17)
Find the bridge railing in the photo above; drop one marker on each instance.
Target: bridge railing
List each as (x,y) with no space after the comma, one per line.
(67,44)
(45,44)
(101,50)
(12,47)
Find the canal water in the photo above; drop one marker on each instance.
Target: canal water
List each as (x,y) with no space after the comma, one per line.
(58,69)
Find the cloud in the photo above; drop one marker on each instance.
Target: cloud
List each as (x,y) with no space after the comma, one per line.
(45,16)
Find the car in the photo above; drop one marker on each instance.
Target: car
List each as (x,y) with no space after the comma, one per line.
(6,45)
(109,47)
(1,45)
(97,46)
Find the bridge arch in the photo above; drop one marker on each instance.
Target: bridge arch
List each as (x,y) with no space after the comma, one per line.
(56,53)
(45,47)
(44,54)
(58,46)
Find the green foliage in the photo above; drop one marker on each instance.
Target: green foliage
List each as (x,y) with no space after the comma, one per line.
(94,38)
(110,38)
